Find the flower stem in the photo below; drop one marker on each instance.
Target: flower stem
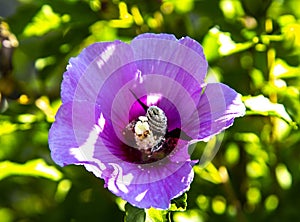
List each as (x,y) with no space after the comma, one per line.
(231,195)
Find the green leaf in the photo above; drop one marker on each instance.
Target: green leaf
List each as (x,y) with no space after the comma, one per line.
(260,105)
(284,177)
(209,173)
(35,168)
(280,69)
(44,21)
(182,6)
(232,9)
(179,203)
(134,214)
(156,215)
(217,44)
(7,127)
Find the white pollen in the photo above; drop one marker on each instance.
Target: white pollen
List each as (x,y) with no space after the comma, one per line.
(141,127)
(143,118)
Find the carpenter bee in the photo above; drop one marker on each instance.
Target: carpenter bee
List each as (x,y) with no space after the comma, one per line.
(151,131)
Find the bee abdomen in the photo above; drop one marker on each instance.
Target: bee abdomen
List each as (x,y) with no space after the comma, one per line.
(157,127)
(157,120)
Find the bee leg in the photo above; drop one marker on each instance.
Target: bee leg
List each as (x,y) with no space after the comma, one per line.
(154,149)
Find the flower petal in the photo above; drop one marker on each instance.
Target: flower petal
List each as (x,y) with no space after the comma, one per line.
(88,73)
(172,93)
(80,136)
(76,131)
(163,54)
(174,68)
(218,107)
(159,36)
(62,137)
(141,190)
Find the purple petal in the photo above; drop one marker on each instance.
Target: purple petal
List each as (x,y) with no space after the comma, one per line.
(62,137)
(157,194)
(173,68)
(80,135)
(162,54)
(88,73)
(218,107)
(78,127)
(159,36)
(178,103)
(150,185)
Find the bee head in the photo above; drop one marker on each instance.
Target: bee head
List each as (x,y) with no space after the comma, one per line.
(154,111)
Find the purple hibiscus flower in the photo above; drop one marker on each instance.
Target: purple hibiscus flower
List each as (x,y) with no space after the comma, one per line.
(130,111)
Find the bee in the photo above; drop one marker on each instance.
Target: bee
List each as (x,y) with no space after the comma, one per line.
(149,130)
(150,134)
(157,121)
(155,129)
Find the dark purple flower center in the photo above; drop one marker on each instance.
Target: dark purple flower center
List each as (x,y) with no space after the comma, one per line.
(146,137)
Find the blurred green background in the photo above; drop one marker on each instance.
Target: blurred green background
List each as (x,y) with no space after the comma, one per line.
(251,45)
